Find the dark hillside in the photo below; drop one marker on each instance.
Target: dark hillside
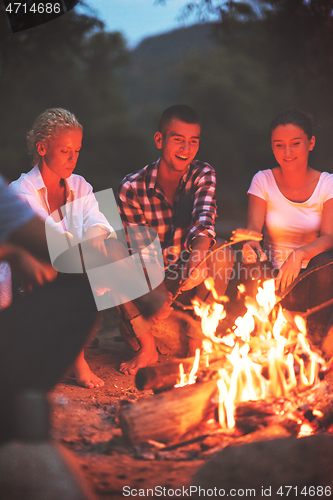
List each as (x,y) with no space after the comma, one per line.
(177,43)
(153,79)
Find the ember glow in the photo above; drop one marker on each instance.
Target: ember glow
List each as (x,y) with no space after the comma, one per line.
(269,359)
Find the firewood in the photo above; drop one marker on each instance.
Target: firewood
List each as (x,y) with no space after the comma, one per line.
(253,416)
(316,406)
(165,376)
(161,376)
(168,416)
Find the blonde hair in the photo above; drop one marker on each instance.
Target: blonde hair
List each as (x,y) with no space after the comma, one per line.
(48,126)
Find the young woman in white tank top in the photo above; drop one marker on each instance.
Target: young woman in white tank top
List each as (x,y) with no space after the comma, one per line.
(293,205)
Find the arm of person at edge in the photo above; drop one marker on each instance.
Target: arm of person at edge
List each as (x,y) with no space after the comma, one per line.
(256,213)
(291,268)
(32,270)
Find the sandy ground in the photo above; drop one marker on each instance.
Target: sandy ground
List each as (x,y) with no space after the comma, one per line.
(85,422)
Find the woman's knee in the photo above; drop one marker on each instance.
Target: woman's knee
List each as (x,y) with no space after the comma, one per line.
(321,259)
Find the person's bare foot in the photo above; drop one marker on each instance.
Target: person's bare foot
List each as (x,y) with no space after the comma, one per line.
(84,376)
(146,355)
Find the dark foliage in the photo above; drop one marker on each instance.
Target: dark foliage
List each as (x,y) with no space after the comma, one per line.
(256,59)
(70,62)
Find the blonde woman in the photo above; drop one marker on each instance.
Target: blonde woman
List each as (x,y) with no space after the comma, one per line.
(54,143)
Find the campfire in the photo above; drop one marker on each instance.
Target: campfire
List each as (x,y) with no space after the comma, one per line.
(260,379)
(269,360)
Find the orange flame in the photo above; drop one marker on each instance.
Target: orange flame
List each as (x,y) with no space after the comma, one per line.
(191,379)
(267,360)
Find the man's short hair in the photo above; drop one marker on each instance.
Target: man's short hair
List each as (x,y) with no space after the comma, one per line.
(182,112)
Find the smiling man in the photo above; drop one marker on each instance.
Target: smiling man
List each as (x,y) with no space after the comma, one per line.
(175,196)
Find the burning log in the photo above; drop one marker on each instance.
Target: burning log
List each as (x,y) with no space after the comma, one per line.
(313,408)
(166,417)
(160,377)
(250,416)
(316,407)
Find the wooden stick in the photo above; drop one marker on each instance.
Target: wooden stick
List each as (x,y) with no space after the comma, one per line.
(316,308)
(166,417)
(300,277)
(238,235)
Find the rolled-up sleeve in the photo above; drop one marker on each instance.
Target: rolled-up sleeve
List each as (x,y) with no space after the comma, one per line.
(92,216)
(204,208)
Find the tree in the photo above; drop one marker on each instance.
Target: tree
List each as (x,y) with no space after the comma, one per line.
(70,62)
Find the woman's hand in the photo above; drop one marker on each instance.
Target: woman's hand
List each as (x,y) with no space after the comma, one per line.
(250,254)
(289,270)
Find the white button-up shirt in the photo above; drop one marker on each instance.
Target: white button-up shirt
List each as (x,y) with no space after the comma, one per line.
(80,212)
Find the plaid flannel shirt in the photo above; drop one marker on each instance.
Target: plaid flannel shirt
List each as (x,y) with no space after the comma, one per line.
(142,202)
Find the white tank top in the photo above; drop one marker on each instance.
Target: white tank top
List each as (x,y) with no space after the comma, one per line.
(288,224)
